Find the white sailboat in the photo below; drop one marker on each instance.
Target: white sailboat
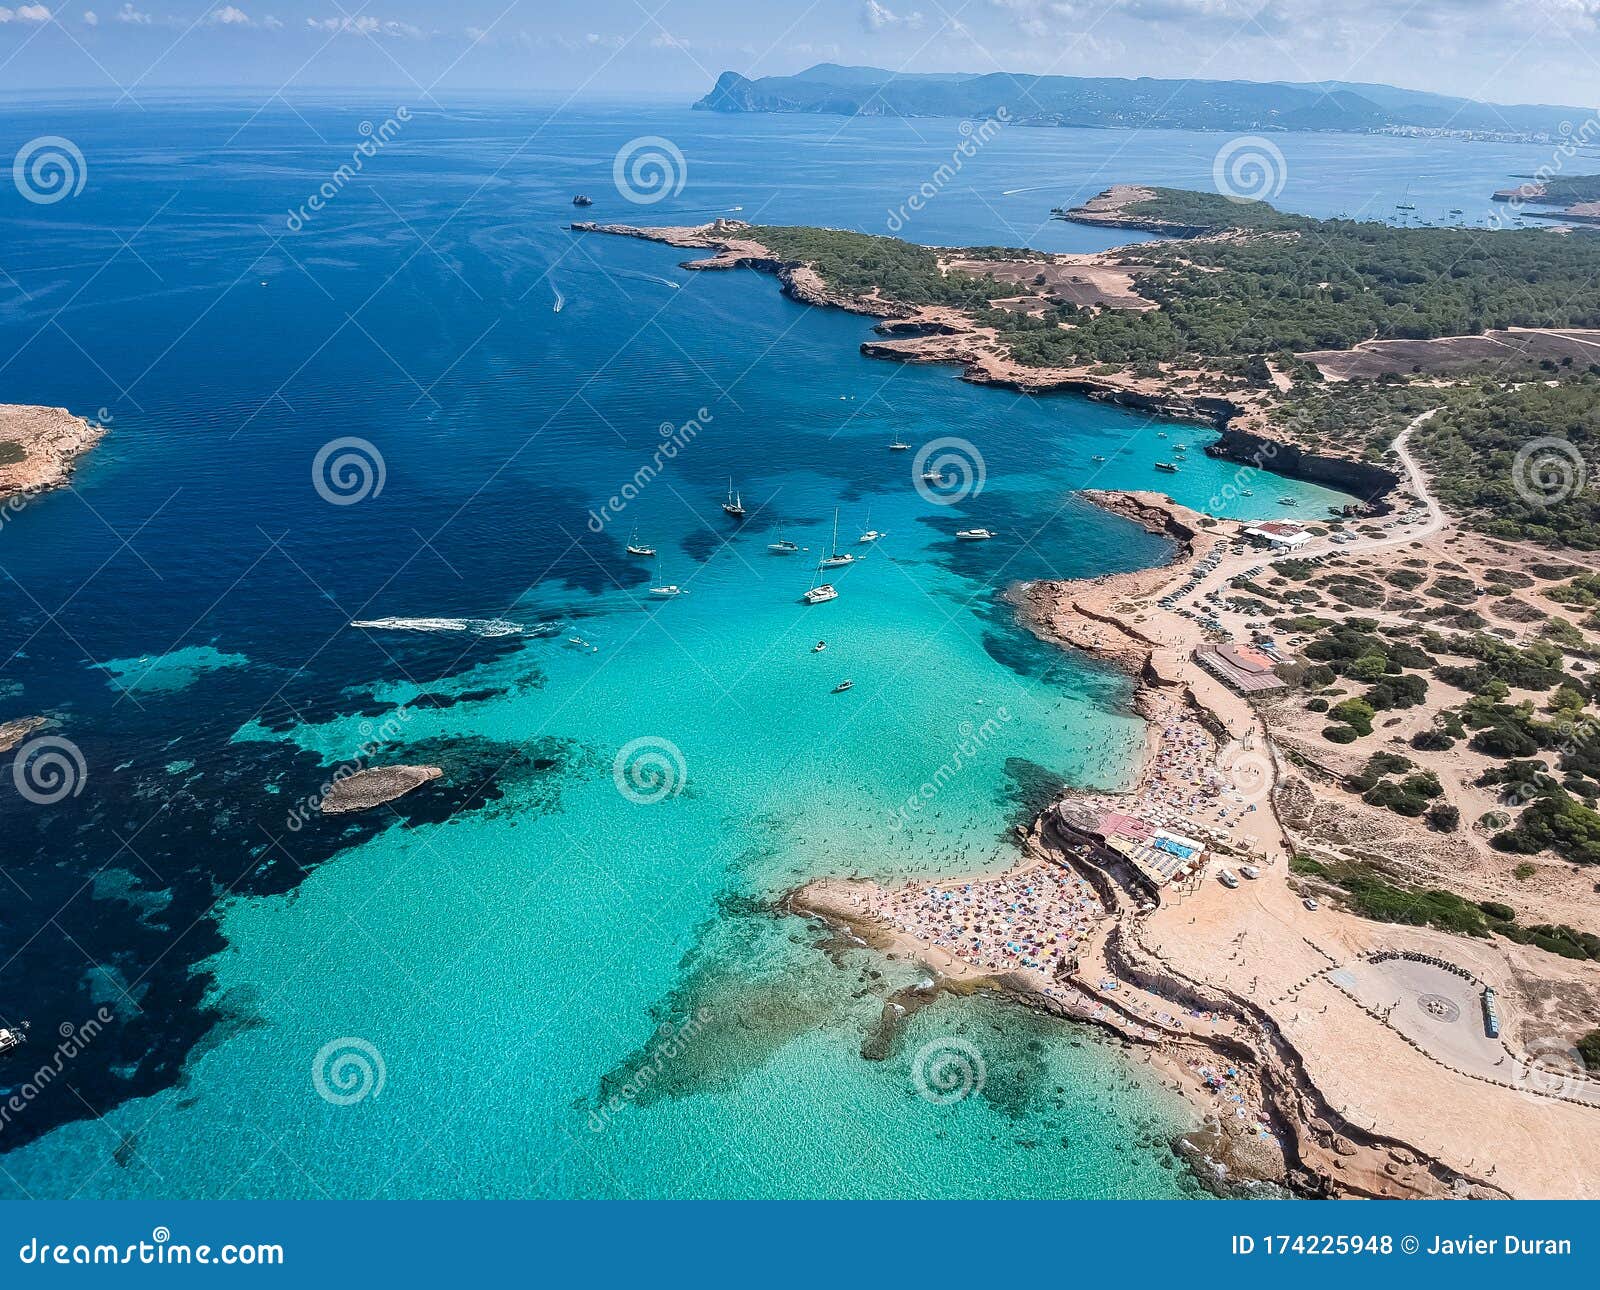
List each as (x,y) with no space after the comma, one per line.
(635,547)
(870,534)
(782,546)
(735,503)
(835,557)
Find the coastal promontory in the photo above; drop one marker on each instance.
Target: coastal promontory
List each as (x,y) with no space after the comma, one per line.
(39,447)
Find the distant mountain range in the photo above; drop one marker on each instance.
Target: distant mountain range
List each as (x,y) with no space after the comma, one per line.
(1116,101)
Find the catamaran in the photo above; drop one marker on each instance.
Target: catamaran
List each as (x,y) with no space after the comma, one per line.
(635,547)
(835,557)
(820,592)
(735,503)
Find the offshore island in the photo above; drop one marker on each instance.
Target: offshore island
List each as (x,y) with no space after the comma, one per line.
(1345,902)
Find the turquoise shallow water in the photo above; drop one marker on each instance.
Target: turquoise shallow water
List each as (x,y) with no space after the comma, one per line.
(487,963)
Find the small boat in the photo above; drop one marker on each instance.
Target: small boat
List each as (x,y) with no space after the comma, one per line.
(1097,457)
(842,686)
(974,535)
(640,549)
(932,477)
(1455,210)
(735,503)
(783,546)
(1247,492)
(820,592)
(1167,466)
(14,1036)
(835,558)
(670,589)
(583,200)
(1182,447)
(871,534)
(1161,434)
(1286,500)
(819,647)
(899,445)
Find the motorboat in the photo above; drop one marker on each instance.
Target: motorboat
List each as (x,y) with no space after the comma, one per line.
(975,535)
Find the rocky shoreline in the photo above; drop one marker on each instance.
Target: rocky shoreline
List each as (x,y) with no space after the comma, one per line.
(940,334)
(40,447)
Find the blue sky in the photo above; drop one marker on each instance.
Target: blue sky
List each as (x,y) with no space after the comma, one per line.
(1503,50)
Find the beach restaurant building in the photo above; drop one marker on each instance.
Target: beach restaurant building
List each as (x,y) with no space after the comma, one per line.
(1242,668)
(1161,855)
(1278,534)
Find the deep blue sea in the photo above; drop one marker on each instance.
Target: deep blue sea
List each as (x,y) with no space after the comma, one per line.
(443,997)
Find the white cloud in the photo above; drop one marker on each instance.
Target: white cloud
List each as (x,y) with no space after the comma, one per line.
(25,13)
(131,15)
(91,18)
(364,25)
(666,40)
(879,17)
(229,16)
